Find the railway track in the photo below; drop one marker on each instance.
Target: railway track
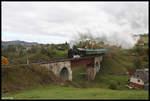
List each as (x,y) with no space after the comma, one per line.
(54,61)
(68,59)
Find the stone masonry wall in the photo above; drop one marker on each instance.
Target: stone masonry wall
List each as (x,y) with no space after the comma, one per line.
(58,66)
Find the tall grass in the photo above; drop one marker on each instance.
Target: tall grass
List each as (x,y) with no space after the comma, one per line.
(20,77)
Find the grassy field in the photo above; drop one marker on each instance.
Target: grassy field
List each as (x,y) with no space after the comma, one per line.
(101,80)
(32,82)
(57,92)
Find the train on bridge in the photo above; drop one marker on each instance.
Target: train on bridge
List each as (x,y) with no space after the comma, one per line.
(82,52)
(77,57)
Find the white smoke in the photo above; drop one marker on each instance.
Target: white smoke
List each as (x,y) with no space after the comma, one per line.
(125,41)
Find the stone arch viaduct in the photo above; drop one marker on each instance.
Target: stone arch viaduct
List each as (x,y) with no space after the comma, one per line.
(63,68)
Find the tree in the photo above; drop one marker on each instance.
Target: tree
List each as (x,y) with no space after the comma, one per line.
(33,49)
(138,63)
(11,48)
(51,51)
(43,51)
(4,60)
(21,53)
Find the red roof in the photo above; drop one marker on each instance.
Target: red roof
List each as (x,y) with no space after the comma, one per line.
(141,42)
(130,70)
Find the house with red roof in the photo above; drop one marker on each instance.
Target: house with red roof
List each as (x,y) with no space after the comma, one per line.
(141,43)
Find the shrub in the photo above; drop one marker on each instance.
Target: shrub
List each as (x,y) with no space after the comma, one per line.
(113,86)
(137,62)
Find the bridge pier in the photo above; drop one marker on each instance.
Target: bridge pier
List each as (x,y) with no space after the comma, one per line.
(93,68)
(97,63)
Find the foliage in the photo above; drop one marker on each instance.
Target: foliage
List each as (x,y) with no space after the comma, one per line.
(113,86)
(137,63)
(33,49)
(4,60)
(11,48)
(18,54)
(22,53)
(51,51)
(142,53)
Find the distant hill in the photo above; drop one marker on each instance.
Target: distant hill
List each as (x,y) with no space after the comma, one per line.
(18,42)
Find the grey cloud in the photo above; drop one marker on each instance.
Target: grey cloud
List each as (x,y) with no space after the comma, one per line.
(64,19)
(133,14)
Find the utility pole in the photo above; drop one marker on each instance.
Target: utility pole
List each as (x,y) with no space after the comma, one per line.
(27,60)
(27,56)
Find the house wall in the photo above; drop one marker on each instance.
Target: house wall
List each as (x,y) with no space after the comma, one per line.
(135,80)
(137,86)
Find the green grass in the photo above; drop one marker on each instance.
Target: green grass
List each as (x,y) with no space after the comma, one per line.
(57,92)
(104,81)
(61,54)
(118,61)
(77,77)
(101,80)
(124,58)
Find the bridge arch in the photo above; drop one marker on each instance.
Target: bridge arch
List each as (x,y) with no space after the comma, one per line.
(64,74)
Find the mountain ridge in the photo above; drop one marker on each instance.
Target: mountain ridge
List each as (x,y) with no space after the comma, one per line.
(18,42)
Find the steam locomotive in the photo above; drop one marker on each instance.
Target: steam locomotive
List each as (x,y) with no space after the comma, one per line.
(82,52)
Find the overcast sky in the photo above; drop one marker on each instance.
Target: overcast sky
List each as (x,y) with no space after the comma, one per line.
(57,22)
